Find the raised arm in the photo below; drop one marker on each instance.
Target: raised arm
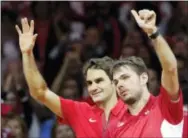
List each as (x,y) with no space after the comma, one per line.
(37,86)
(146,19)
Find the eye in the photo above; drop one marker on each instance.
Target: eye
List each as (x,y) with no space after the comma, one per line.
(99,80)
(124,77)
(115,82)
(88,83)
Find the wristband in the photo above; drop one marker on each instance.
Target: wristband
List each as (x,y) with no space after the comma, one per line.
(154,35)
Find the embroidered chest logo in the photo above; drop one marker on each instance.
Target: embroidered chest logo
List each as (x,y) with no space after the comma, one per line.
(147,112)
(120,124)
(92,120)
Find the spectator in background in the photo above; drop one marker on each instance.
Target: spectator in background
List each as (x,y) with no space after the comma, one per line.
(93,45)
(183,75)
(62,131)
(180,44)
(112,30)
(102,16)
(71,68)
(153,82)
(178,22)
(65,109)
(127,51)
(9,45)
(70,89)
(64,27)
(134,38)
(14,92)
(17,126)
(42,14)
(144,54)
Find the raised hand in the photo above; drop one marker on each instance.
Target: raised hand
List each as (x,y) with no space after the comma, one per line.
(26,37)
(146,19)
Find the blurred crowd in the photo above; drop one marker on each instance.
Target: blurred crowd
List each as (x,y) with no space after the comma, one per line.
(70,33)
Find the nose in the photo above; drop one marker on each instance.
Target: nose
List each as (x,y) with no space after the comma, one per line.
(120,86)
(93,88)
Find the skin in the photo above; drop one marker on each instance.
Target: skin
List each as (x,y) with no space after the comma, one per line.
(146,20)
(125,80)
(101,90)
(37,86)
(133,88)
(99,85)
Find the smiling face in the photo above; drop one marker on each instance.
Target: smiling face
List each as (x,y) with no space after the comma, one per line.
(99,85)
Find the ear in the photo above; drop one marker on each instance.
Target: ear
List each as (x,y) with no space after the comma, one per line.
(144,78)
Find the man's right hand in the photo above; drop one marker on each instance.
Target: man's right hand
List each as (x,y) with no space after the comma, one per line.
(26,38)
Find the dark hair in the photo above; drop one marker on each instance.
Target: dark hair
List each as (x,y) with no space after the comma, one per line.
(34,4)
(104,63)
(24,129)
(11,15)
(136,63)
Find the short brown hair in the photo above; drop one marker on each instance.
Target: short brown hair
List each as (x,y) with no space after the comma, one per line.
(104,63)
(136,63)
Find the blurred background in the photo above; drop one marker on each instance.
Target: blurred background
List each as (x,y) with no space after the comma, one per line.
(70,33)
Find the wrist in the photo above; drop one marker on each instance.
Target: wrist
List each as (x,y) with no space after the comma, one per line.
(27,53)
(154,35)
(153,30)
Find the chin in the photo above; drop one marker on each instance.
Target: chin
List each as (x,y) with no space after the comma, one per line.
(97,99)
(129,100)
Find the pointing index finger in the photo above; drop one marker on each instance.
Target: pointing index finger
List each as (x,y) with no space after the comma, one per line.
(136,16)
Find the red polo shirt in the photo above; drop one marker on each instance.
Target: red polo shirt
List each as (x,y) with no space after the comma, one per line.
(89,121)
(185,126)
(159,118)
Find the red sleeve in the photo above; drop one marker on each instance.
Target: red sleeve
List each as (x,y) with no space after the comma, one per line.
(185,126)
(171,110)
(70,110)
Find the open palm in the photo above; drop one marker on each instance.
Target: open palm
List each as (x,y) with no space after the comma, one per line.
(26,37)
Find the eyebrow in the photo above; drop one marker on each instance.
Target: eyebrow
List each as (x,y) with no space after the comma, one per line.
(99,79)
(96,79)
(122,75)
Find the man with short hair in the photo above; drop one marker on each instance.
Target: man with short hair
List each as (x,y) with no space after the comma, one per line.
(146,115)
(86,120)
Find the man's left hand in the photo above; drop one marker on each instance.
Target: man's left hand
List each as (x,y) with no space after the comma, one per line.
(146,19)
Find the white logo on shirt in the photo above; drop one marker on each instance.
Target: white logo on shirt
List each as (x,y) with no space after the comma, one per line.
(120,124)
(92,120)
(147,112)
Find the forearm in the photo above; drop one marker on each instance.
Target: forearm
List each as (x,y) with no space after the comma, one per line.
(35,81)
(168,62)
(165,54)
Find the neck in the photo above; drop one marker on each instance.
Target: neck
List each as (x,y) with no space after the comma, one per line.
(137,106)
(108,105)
